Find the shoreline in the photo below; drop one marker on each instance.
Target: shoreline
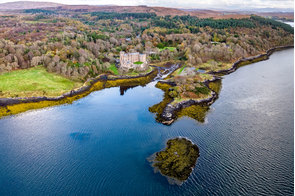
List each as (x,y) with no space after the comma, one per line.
(251,59)
(10,106)
(168,116)
(173,180)
(83,89)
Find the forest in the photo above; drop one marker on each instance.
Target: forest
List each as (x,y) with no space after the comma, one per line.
(82,45)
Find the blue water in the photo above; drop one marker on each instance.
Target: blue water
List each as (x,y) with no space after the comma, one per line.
(99,144)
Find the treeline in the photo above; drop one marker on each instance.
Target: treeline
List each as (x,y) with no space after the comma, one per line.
(39,11)
(275,24)
(193,23)
(121,16)
(93,36)
(77,50)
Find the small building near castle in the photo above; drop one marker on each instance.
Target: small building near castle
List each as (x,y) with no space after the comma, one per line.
(133,61)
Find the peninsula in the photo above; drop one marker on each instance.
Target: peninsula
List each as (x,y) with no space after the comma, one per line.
(60,52)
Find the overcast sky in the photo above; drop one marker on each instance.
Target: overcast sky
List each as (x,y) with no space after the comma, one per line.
(209,4)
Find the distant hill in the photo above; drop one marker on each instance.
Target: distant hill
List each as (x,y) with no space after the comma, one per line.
(18,5)
(161,11)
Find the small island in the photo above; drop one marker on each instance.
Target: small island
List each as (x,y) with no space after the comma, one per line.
(177,160)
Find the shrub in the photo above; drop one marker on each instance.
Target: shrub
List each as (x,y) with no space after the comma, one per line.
(173,94)
(202,90)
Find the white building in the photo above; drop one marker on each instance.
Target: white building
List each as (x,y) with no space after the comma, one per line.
(134,61)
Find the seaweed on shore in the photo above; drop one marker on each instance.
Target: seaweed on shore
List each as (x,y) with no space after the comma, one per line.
(96,86)
(177,160)
(197,112)
(159,108)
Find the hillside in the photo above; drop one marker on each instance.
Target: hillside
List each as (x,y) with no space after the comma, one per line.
(160,11)
(18,5)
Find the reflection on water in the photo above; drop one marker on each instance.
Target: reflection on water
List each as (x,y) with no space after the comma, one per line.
(243,149)
(197,112)
(123,89)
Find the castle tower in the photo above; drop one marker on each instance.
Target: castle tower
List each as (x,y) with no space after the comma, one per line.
(127,60)
(142,58)
(122,53)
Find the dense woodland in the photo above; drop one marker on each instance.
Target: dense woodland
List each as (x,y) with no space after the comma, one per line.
(81,45)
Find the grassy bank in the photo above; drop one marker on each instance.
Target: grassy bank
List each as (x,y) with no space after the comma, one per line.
(171,49)
(22,107)
(34,82)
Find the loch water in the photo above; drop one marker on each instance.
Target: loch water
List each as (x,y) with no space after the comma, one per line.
(99,144)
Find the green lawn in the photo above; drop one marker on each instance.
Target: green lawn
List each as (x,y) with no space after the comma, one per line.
(138,63)
(34,82)
(169,48)
(212,65)
(134,73)
(181,69)
(114,69)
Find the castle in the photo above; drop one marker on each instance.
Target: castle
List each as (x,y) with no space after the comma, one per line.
(134,61)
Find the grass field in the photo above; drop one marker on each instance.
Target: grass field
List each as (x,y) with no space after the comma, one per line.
(169,48)
(212,65)
(34,82)
(138,63)
(181,69)
(114,69)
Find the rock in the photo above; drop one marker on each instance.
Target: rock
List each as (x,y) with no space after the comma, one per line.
(177,160)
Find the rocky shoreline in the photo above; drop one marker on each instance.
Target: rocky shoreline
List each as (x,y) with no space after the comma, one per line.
(177,161)
(250,60)
(87,87)
(168,116)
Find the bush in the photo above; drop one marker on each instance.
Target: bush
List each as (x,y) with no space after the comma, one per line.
(202,90)
(173,94)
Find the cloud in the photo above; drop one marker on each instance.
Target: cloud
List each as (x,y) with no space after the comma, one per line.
(203,4)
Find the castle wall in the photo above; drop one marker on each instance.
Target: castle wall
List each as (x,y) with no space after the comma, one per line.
(127,59)
(142,58)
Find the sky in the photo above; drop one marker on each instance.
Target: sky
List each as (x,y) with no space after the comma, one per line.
(202,4)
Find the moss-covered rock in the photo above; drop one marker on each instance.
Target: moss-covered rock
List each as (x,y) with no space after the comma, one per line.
(197,112)
(158,108)
(177,160)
